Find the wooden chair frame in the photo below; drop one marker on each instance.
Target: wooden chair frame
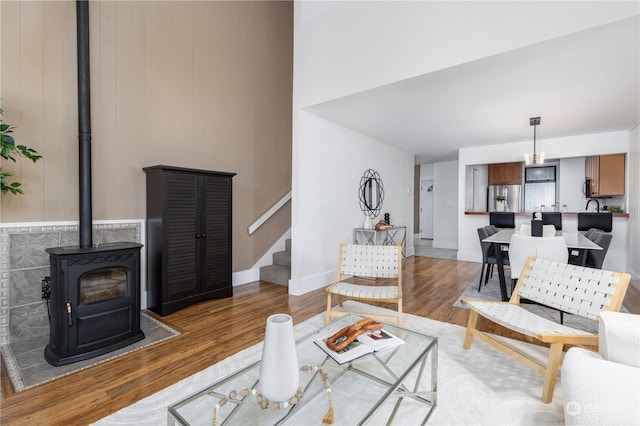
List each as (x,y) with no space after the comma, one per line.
(570,288)
(369,261)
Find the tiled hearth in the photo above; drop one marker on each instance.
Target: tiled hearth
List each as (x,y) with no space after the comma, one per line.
(24,263)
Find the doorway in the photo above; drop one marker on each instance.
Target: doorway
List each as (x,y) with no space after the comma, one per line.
(426,209)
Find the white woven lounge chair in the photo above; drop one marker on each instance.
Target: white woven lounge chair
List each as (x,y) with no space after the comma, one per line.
(370,262)
(575,289)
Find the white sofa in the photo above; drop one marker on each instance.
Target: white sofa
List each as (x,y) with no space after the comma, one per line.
(604,388)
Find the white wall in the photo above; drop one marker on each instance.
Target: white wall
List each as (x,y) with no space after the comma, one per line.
(426,171)
(329,161)
(445,205)
(633,201)
(559,148)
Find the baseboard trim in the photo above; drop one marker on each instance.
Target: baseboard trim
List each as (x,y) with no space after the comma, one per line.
(245,277)
(298,287)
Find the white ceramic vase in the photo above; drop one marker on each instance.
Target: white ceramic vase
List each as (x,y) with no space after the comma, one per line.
(367,224)
(279,371)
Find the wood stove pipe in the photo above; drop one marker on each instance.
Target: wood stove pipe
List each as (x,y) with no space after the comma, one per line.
(84,123)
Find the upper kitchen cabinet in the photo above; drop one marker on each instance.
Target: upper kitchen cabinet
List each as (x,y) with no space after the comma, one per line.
(605,174)
(505,174)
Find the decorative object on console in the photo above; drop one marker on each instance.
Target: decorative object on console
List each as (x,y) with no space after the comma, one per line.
(382,225)
(279,375)
(371,193)
(367,224)
(387,218)
(535,158)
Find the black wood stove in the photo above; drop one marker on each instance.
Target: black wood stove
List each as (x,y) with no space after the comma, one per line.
(94,289)
(95,301)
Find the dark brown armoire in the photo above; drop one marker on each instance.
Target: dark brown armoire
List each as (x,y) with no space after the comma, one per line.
(188,237)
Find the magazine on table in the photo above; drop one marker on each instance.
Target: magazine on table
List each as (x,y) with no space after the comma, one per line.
(368,342)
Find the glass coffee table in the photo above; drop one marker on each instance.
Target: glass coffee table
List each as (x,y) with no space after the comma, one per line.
(387,384)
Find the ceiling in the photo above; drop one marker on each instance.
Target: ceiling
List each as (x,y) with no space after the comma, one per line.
(586,82)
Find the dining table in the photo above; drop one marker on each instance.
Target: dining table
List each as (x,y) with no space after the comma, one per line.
(577,244)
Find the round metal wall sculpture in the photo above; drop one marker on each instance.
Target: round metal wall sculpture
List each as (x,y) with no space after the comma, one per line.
(371,193)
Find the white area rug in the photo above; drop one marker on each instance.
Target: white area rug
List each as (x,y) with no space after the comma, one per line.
(478,386)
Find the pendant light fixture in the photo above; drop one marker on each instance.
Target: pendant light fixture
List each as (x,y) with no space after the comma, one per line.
(535,158)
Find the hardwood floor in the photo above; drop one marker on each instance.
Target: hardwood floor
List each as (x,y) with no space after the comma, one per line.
(214,330)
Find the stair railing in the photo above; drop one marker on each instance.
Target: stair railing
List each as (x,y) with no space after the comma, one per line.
(262,219)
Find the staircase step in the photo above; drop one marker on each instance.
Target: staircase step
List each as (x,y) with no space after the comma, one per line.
(282,258)
(276,274)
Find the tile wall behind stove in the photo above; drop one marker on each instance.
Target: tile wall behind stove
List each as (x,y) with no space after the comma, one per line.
(24,263)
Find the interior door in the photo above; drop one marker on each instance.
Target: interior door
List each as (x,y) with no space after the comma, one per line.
(426,209)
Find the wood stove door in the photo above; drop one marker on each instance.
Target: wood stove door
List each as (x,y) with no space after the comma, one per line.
(104,308)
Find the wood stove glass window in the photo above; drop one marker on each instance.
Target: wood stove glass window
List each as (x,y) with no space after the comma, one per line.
(103,284)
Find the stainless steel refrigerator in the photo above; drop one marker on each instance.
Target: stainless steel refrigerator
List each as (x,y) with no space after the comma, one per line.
(512,195)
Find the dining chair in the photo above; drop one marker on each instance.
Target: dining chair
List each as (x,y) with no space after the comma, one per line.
(488,255)
(547,230)
(548,248)
(552,218)
(601,221)
(595,258)
(523,246)
(502,219)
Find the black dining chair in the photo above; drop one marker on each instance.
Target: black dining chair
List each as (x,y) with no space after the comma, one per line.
(502,219)
(595,258)
(552,218)
(601,221)
(488,255)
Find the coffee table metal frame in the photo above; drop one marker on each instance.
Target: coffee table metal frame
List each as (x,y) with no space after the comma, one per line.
(377,379)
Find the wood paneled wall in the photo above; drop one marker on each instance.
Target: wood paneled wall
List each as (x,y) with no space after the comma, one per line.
(202,84)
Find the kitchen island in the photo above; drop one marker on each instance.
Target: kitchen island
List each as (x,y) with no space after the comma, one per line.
(616,259)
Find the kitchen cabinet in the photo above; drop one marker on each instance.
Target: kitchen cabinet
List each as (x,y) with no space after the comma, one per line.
(605,174)
(188,237)
(505,174)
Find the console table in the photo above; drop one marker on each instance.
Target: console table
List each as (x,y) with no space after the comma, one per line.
(394,236)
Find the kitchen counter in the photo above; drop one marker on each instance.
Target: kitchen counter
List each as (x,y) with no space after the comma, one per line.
(530,214)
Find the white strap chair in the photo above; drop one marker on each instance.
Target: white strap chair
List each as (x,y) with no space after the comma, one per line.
(570,288)
(371,262)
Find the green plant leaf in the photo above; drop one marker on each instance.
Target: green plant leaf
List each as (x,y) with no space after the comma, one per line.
(8,149)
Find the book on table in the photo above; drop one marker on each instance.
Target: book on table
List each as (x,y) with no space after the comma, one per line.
(368,342)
